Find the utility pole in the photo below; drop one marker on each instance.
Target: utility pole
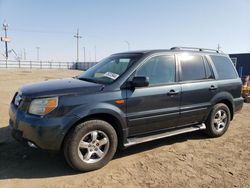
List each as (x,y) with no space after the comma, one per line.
(84,54)
(37,53)
(77,36)
(5,28)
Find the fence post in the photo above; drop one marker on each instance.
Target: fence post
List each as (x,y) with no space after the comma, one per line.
(30,65)
(50,64)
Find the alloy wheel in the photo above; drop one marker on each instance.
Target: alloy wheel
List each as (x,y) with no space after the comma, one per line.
(93,146)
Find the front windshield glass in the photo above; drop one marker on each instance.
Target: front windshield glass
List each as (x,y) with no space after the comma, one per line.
(109,69)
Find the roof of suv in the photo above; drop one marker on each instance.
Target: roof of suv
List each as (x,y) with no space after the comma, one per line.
(175,49)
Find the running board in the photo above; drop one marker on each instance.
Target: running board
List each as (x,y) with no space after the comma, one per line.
(138,140)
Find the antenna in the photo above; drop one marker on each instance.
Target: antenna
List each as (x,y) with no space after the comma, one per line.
(218,47)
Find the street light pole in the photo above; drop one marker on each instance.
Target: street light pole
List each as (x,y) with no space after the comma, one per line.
(127,44)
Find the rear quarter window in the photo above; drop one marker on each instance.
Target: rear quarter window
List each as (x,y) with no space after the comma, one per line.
(224,67)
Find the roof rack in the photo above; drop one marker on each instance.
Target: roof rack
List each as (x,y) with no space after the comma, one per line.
(198,49)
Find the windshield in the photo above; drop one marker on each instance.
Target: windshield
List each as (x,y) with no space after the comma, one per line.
(109,69)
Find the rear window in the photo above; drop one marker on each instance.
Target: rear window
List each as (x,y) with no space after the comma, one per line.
(224,67)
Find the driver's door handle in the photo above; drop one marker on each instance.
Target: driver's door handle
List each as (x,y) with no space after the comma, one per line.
(212,87)
(172,92)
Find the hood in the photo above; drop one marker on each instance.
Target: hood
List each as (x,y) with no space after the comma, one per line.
(59,87)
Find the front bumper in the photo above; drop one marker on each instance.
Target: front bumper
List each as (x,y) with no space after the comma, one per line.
(45,133)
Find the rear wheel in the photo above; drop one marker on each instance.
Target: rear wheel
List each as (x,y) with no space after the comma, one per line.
(218,120)
(90,145)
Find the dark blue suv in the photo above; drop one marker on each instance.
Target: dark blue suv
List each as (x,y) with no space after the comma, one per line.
(126,99)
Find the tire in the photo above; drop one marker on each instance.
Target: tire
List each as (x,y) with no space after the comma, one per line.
(90,145)
(218,120)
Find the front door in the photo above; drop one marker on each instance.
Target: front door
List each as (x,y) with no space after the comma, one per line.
(157,106)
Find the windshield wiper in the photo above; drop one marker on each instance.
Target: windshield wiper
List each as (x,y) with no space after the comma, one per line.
(88,80)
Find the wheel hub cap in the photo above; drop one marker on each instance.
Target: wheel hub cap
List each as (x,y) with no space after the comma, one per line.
(220,120)
(93,146)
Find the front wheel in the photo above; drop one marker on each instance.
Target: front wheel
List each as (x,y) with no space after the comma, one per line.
(90,145)
(218,121)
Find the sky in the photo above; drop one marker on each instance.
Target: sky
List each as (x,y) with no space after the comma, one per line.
(107,25)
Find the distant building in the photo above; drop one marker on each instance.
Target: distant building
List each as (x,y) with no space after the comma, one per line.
(242,63)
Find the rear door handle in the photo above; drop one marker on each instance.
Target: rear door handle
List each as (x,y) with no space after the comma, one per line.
(212,87)
(172,92)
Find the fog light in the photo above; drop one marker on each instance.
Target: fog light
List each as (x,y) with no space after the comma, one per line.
(31,144)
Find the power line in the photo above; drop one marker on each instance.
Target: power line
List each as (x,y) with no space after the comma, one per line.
(38,31)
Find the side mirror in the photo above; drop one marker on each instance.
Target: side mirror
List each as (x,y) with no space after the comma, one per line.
(140,81)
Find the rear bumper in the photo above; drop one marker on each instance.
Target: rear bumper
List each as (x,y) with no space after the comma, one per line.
(238,104)
(44,133)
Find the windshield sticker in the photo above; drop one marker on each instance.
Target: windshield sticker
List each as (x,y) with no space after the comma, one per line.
(111,75)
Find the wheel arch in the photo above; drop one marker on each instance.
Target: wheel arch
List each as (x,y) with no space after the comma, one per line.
(111,119)
(229,104)
(225,98)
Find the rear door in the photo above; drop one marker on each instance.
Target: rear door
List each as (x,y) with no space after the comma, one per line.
(157,106)
(198,88)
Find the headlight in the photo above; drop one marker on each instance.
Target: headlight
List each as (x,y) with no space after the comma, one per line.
(43,106)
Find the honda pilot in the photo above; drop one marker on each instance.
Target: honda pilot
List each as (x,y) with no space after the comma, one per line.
(127,99)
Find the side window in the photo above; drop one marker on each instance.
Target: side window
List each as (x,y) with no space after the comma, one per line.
(192,67)
(159,69)
(224,67)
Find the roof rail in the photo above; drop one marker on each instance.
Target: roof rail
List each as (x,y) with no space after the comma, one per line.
(198,49)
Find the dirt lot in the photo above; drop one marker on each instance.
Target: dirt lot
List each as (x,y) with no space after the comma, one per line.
(189,160)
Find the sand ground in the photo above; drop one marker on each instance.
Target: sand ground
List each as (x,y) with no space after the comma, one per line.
(189,160)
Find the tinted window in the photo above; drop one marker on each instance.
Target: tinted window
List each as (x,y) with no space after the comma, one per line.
(160,70)
(192,67)
(224,67)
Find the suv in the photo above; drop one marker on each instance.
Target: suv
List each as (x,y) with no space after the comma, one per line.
(127,99)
